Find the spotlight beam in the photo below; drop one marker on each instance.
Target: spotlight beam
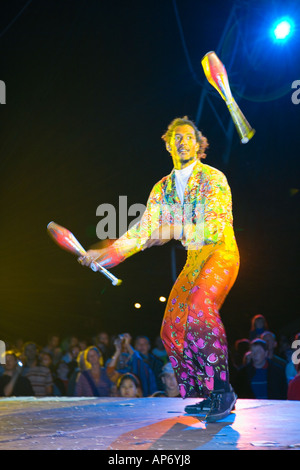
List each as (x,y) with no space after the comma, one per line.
(282,29)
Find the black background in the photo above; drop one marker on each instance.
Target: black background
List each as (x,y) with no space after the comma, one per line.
(90,88)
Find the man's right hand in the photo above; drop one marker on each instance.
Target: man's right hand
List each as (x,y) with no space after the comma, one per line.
(107,257)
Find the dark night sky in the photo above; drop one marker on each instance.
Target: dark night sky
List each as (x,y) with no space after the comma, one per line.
(91,87)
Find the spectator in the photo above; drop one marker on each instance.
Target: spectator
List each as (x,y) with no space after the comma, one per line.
(241,347)
(261,378)
(61,379)
(103,343)
(39,376)
(93,382)
(120,361)
(258,326)
(143,346)
(128,386)
(83,344)
(294,386)
(72,359)
(247,358)
(53,348)
(270,339)
(67,346)
(18,346)
(77,366)
(169,381)
(45,359)
(285,349)
(159,350)
(126,359)
(236,357)
(11,382)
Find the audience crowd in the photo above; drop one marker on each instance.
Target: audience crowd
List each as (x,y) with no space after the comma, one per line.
(118,366)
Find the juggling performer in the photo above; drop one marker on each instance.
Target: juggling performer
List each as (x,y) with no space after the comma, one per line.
(192,204)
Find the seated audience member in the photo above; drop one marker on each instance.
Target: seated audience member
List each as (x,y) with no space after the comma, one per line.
(126,359)
(294,386)
(261,378)
(170,385)
(143,346)
(159,350)
(284,347)
(241,347)
(103,343)
(45,359)
(72,361)
(18,346)
(258,326)
(39,376)
(53,348)
(270,339)
(11,382)
(66,371)
(61,379)
(68,344)
(93,382)
(78,366)
(169,380)
(236,356)
(59,373)
(83,344)
(247,358)
(128,386)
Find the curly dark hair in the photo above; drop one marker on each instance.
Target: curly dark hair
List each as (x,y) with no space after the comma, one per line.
(200,138)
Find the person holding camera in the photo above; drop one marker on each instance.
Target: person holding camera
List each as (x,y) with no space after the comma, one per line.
(127,359)
(12,383)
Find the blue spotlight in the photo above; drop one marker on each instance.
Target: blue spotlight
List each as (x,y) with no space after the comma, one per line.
(282,29)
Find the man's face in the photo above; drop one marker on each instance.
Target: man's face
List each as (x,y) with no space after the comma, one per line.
(258,356)
(271,342)
(183,146)
(30,351)
(142,345)
(54,341)
(103,338)
(11,362)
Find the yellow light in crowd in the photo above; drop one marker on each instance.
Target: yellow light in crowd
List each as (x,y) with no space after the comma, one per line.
(137,305)
(162,298)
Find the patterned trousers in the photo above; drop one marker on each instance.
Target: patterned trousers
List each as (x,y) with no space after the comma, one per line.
(192,331)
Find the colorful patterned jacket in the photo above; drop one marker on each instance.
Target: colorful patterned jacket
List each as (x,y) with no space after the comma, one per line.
(204,219)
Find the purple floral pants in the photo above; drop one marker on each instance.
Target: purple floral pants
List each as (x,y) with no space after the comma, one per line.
(192,331)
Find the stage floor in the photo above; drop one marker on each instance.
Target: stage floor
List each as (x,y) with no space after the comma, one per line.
(144,424)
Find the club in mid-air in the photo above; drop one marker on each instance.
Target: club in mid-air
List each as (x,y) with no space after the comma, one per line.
(216,74)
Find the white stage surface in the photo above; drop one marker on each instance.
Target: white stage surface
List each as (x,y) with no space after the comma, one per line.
(154,424)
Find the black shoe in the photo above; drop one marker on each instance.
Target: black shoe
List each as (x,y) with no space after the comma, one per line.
(222,403)
(201,408)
